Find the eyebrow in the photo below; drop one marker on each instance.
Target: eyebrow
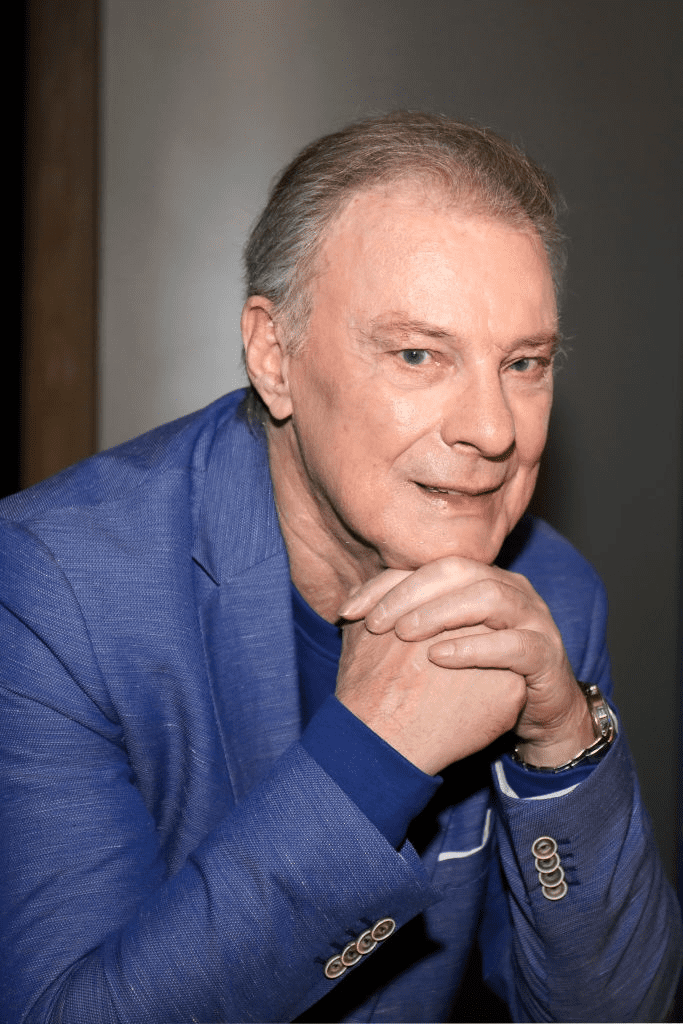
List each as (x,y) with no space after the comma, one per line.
(405,325)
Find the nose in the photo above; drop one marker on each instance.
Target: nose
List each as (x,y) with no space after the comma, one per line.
(479,416)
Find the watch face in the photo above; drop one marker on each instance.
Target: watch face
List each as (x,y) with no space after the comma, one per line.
(604,725)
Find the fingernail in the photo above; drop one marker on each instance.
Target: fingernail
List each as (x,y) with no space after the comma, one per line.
(408,626)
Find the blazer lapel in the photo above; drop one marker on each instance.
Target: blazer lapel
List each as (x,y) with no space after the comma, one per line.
(250,653)
(244,607)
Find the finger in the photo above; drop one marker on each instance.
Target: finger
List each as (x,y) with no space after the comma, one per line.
(366,597)
(494,602)
(523,651)
(423,585)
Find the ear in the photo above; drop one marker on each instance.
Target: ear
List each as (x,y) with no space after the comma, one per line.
(266,355)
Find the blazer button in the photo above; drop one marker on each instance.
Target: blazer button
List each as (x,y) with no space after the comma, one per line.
(547,863)
(334,967)
(551,879)
(544,847)
(555,892)
(383,928)
(350,955)
(365,942)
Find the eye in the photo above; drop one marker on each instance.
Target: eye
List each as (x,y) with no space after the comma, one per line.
(530,364)
(522,365)
(414,356)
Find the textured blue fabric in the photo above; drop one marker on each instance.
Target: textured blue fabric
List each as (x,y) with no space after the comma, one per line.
(528,783)
(169,850)
(387,788)
(318,649)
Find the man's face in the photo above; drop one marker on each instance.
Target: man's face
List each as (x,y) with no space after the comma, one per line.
(422,393)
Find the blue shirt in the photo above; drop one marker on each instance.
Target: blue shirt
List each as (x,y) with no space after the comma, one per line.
(383,784)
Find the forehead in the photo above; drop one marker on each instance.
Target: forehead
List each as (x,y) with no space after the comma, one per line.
(405,249)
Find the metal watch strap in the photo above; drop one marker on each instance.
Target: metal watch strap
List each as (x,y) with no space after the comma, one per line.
(604,729)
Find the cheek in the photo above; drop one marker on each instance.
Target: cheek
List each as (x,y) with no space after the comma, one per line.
(395,424)
(532,430)
(377,424)
(406,416)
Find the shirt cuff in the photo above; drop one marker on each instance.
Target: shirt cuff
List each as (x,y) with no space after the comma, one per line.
(517,781)
(384,785)
(529,784)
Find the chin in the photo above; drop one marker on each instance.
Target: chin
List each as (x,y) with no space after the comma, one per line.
(479,549)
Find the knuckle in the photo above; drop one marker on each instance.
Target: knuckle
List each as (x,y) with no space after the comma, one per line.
(516,690)
(528,645)
(522,580)
(489,590)
(449,563)
(522,644)
(449,568)
(408,624)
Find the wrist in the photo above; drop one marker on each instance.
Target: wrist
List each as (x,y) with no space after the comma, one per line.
(587,738)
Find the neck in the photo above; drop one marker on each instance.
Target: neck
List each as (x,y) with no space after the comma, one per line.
(326,561)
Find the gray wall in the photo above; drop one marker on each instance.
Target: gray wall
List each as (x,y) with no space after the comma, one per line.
(203,101)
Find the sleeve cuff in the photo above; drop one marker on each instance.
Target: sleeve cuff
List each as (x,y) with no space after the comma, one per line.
(388,789)
(517,782)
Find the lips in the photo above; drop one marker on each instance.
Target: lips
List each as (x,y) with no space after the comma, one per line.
(460,492)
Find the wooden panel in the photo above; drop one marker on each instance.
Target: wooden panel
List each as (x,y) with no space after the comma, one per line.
(60,257)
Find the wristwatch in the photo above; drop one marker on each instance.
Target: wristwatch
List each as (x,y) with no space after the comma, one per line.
(604,729)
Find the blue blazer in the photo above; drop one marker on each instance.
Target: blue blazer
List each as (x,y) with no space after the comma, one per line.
(170,852)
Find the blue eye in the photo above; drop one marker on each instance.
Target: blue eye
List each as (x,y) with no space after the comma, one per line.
(414,356)
(522,365)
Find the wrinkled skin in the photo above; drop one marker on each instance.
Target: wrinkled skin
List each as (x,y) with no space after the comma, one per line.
(407,435)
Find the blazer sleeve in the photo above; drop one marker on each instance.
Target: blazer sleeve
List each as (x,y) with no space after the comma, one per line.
(609,949)
(92,925)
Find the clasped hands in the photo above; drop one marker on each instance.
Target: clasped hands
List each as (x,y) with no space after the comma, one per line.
(443,660)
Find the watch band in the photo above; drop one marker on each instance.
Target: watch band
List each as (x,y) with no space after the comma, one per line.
(604,730)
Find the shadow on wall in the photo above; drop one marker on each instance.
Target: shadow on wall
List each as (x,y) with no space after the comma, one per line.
(554,487)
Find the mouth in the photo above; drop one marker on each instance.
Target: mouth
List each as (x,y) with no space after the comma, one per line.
(460,492)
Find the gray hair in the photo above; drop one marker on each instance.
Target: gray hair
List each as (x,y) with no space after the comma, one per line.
(471,166)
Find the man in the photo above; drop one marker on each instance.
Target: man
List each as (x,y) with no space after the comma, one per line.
(196,828)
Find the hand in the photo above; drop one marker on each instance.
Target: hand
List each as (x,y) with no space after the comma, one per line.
(430,714)
(490,621)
